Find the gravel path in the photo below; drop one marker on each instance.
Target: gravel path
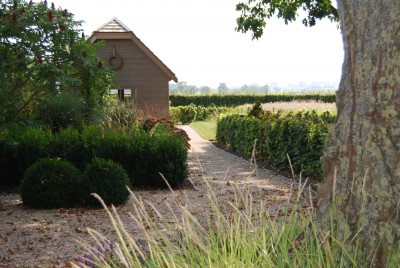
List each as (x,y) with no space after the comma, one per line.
(217,164)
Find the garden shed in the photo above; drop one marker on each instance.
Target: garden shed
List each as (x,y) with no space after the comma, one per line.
(141,75)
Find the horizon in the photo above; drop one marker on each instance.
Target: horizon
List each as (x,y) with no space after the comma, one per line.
(289,86)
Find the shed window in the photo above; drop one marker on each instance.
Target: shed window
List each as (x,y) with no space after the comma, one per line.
(123,94)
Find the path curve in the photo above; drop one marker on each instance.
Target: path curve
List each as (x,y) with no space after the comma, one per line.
(215,164)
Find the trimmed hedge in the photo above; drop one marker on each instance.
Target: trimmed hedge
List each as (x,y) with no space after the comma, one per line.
(170,159)
(301,135)
(51,183)
(19,149)
(9,167)
(68,145)
(192,113)
(142,154)
(235,100)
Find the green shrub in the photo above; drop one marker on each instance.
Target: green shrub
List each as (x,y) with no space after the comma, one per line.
(202,113)
(106,178)
(51,183)
(9,168)
(142,154)
(227,128)
(141,158)
(192,113)
(183,114)
(256,110)
(300,135)
(67,144)
(239,133)
(113,145)
(62,110)
(170,159)
(8,160)
(91,136)
(32,145)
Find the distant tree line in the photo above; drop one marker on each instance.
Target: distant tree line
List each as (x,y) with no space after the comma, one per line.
(183,88)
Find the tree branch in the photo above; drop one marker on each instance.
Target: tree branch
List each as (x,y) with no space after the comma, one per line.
(20,109)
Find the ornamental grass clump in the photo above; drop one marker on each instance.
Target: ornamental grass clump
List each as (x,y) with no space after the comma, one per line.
(119,115)
(62,110)
(241,233)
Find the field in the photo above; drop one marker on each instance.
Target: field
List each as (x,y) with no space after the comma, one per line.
(294,106)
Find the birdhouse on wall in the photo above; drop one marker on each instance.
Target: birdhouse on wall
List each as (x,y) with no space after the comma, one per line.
(141,75)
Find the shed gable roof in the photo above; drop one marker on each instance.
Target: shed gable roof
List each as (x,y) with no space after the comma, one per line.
(113,25)
(114,29)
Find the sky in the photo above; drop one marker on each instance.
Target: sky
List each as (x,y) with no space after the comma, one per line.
(197,41)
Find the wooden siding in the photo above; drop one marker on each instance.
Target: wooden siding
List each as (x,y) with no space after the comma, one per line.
(100,35)
(141,74)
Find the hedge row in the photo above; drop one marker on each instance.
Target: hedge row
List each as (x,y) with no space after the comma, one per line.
(235,100)
(143,155)
(301,135)
(192,113)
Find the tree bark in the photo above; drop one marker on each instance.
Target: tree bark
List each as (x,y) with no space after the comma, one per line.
(361,163)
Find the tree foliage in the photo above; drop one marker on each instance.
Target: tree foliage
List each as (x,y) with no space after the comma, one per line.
(254,13)
(183,88)
(43,51)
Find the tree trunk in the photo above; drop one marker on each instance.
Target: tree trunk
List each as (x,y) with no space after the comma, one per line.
(361,163)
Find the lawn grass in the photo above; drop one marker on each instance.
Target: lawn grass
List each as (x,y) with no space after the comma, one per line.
(206,129)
